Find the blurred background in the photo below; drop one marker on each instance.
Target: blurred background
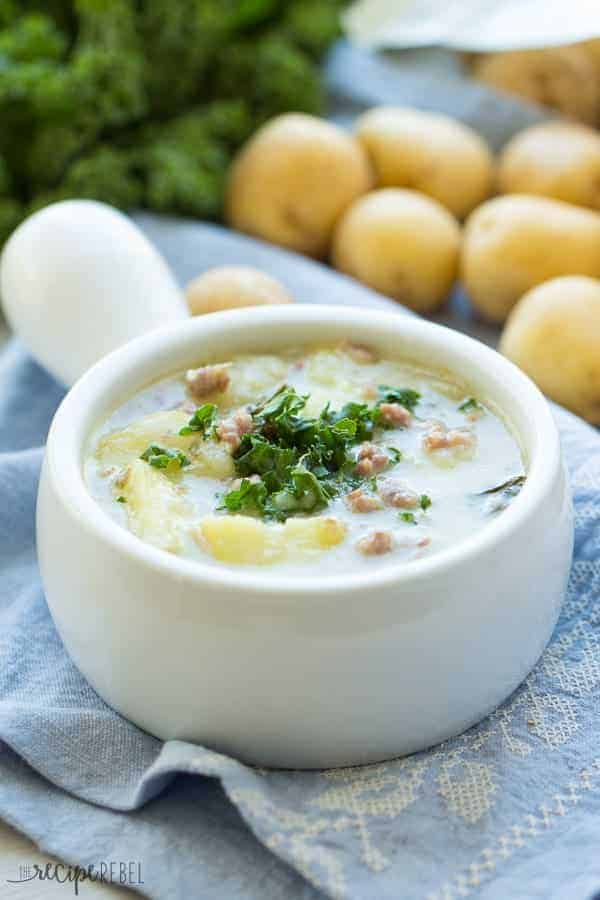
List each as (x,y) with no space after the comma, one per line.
(143,104)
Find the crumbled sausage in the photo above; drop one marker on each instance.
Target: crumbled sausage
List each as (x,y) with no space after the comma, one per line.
(360,353)
(232,430)
(475,415)
(395,414)
(207,380)
(394,493)
(371,459)
(359,502)
(375,544)
(438,437)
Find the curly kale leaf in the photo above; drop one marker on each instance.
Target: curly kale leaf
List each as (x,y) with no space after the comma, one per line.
(145,103)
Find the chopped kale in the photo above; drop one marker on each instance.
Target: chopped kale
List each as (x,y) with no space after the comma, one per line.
(394,454)
(470,405)
(408,517)
(424,502)
(406,397)
(203,419)
(513,486)
(257,456)
(121,499)
(164,458)
(303,493)
(304,461)
(499,497)
(249,499)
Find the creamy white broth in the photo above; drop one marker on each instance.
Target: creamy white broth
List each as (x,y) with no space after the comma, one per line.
(178,510)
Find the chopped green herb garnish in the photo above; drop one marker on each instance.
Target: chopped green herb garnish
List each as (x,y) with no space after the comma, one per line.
(424,502)
(304,461)
(394,454)
(249,499)
(203,419)
(121,499)
(513,485)
(165,458)
(406,397)
(303,493)
(471,405)
(408,517)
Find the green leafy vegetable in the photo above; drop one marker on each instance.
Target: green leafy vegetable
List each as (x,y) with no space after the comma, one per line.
(203,419)
(394,454)
(404,396)
(471,405)
(144,104)
(249,499)
(513,485)
(424,502)
(303,461)
(165,458)
(408,517)
(121,499)
(303,493)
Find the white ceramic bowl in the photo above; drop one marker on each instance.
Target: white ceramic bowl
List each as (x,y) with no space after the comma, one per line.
(323,670)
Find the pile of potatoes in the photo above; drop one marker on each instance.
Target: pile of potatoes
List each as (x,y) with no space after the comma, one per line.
(405,205)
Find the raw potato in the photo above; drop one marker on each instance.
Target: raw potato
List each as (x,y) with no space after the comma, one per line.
(293,179)
(563,78)
(592,48)
(553,334)
(401,243)
(430,153)
(514,243)
(230,287)
(155,509)
(554,159)
(243,540)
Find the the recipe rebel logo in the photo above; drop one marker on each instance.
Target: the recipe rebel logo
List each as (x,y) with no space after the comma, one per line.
(123,872)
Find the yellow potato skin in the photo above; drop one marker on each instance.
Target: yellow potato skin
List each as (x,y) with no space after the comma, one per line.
(430,153)
(553,334)
(516,242)
(400,243)
(293,179)
(553,159)
(563,78)
(232,287)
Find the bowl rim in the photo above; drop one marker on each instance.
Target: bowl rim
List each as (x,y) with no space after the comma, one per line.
(66,446)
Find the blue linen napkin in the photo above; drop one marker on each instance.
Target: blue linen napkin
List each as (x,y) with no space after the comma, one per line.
(509,809)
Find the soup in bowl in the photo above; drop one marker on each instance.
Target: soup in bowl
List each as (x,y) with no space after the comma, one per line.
(329,454)
(306,536)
